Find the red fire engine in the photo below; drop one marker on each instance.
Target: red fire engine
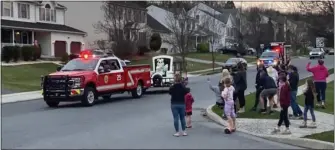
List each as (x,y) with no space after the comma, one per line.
(88,77)
(282,49)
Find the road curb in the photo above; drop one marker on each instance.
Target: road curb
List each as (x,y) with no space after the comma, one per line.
(300,142)
(19,97)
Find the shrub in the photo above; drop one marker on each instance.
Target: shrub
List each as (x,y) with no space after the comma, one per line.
(155,42)
(37,52)
(16,53)
(142,50)
(27,52)
(7,53)
(124,48)
(65,58)
(73,56)
(203,48)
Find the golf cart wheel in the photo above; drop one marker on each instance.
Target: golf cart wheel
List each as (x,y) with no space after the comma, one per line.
(52,104)
(138,91)
(89,96)
(157,80)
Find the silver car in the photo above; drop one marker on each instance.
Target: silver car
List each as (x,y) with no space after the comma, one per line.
(317,53)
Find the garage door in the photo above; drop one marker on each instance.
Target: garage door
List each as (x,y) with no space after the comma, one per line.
(60,48)
(75,47)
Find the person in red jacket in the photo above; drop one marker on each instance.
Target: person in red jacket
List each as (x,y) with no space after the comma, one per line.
(320,74)
(188,105)
(284,104)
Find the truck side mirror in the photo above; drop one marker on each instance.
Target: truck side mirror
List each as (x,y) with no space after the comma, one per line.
(59,68)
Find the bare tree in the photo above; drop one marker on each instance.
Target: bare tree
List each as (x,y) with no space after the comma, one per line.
(119,26)
(251,26)
(182,27)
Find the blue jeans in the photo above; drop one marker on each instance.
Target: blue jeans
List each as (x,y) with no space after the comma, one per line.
(311,109)
(295,107)
(178,112)
(320,88)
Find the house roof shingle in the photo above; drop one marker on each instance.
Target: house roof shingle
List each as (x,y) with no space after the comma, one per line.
(39,26)
(155,25)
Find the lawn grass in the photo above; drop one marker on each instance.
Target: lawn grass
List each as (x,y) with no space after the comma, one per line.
(327,136)
(24,78)
(249,103)
(191,66)
(329,99)
(210,72)
(218,57)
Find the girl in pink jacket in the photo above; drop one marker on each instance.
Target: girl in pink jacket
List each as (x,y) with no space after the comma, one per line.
(320,74)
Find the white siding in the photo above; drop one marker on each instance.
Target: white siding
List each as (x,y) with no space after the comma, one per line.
(68,38)
(44,39)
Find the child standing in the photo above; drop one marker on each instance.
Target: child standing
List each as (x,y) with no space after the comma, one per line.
(284,104)
(309,104)
(228,96)
(219,100)
(188,107)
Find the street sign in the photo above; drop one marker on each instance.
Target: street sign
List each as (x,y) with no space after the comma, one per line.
(320,42)
(262,46)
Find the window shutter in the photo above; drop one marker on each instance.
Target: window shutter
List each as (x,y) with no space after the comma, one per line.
(11,9)
(28,11)
(19,10)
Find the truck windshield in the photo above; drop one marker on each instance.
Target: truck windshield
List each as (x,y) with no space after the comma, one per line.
(79,64)
(269,54)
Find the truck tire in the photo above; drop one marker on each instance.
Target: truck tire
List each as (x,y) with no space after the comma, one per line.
(52,104)
(89,96)
(138,91)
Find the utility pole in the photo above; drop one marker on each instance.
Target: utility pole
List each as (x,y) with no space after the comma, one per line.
(213,59)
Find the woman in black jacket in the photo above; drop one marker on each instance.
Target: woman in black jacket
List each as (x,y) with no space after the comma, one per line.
(178,92)
(240,85)
(258,86)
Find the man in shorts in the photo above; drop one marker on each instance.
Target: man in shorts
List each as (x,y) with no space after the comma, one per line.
(270,90)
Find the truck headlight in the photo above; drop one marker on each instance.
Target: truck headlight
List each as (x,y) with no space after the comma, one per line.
(76,82)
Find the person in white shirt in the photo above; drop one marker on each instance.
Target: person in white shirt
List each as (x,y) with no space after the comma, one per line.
(273,73)
(228,96)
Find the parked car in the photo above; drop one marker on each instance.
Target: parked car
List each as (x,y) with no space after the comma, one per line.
(251,51)
(231,64)
(317,53)
(233,49)
(331,52)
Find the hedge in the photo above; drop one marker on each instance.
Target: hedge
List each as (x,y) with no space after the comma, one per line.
(203,48)
(14,53)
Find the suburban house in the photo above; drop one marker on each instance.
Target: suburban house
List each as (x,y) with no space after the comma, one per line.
(39,23)
(167,18)
(222,22)
(130,13)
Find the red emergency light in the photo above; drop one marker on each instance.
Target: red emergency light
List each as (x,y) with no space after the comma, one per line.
(86,54)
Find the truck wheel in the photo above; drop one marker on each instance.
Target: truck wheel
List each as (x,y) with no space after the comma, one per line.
(89,97)
(52,103)
(137,93)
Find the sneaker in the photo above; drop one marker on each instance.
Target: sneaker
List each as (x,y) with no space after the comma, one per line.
(176,134)
(241,110)
(184,133)
(318,105)
(275,131)
(312,125)
(303,125)
(286,132)
(323,105)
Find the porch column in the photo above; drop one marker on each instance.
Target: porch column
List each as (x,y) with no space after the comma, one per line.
(13,37)
(33,37)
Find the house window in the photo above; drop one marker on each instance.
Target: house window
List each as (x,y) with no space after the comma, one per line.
(23,10)
(47,14)
(7,9)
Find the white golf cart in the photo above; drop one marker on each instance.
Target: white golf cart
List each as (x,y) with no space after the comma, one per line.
(164,69)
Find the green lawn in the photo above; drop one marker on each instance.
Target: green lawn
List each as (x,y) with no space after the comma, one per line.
(329,99)
(327,136)
(191,66)
(250,100)
(210,72)
(218,57)
(25,77)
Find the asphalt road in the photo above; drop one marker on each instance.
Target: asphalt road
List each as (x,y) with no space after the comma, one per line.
(123,122)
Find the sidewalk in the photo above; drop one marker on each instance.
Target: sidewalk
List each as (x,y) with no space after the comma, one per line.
(29,63)
(264,127)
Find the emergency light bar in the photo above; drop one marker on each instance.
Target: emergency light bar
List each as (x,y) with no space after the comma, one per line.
(86,54)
